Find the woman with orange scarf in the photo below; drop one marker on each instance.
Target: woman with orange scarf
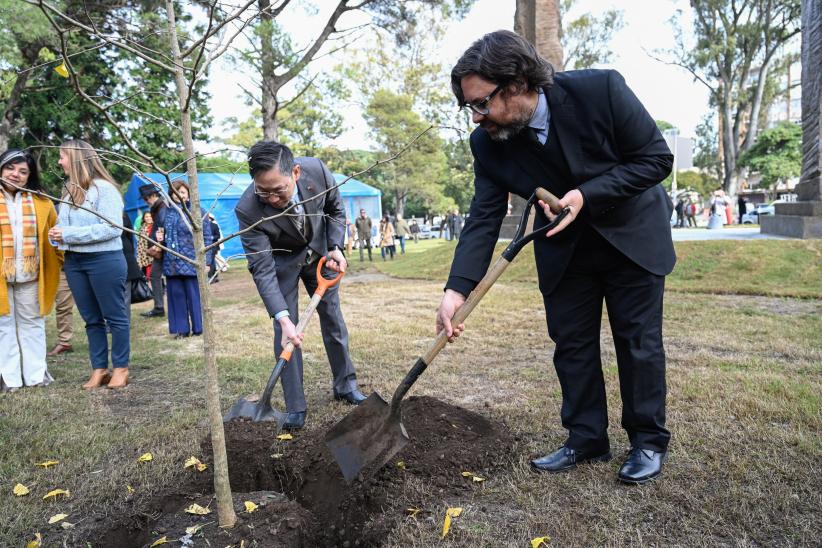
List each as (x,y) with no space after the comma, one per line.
(30,270)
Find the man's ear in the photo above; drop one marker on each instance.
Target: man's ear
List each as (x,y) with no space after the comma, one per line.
(295,172)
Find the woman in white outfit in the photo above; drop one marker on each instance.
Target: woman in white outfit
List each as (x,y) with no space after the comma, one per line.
(30,270)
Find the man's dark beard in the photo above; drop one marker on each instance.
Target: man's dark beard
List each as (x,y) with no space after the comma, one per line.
(506,132)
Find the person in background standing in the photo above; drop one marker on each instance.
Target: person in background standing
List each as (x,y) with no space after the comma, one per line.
(95,265)
(415,230)
(216,234)
(680,213)
(742,206)
(144,260)
(133,271)
(363,224)
(350,235)
(185,315)
(402,232)
(387,245)
(690,213)
(30,268)
(64,314)
(151,196)
(457,220)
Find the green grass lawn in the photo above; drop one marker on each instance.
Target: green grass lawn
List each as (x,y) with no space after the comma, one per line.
(744,381)
(783,268)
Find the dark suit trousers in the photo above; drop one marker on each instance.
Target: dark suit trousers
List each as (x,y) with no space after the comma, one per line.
(332,326)
(633,297)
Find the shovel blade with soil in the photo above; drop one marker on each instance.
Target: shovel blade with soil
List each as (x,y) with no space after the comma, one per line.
(366,439)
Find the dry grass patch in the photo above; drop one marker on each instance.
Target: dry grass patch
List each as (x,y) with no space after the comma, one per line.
(744,380)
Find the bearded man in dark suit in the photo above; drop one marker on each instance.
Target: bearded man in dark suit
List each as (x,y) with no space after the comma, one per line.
(585,136)
(292,215)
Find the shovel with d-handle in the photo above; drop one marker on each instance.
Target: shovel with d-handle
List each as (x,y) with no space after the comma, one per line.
(261,410)
(364,440)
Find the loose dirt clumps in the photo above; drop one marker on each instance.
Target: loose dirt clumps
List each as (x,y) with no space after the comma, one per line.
(301,495)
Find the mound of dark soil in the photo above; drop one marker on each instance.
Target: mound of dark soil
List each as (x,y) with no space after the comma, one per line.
(303,499)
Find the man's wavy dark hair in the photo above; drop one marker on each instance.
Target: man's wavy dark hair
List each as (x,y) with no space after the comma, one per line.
(502,57)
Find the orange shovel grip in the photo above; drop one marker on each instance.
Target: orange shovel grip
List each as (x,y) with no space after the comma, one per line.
(324,283)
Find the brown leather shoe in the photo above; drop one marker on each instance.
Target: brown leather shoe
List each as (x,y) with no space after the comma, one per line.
(119,379)
(98,378)
(58,349)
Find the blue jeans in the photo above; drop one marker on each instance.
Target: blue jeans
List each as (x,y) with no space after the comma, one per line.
(402,244)
(97,281)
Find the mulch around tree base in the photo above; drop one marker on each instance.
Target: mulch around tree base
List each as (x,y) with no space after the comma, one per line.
(301,495)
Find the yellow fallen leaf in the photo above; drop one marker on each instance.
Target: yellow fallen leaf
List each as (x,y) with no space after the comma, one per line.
(130,489)
(450,513)
(467,474)
(55,493)
(250,506)
(285,437)
(193,530)
(159,541)
(66,525)
(145,457)
(197,509)
(191,461)
(478,479)
(201,466)
(46,464)
(413,511)
(57,517)
(242,544)
(277,456)
(20,490)
(38,538)
(539,541)
(401,465)
(62,70)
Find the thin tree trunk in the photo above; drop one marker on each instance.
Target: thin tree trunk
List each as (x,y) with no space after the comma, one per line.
(269,103)
(222,487)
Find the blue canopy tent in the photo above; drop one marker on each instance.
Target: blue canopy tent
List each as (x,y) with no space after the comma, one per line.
(357,195)
(219,193)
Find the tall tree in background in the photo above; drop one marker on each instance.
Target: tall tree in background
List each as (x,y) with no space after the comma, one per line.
(422,169)
(25,33)
(777,154)
(279,63)
(540,22)
(585,39)
(737,44)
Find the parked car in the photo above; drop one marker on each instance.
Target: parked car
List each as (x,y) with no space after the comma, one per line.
(425,232)
(752,217)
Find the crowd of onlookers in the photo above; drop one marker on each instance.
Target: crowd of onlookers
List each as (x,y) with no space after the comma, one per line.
(393,230)
(74,251)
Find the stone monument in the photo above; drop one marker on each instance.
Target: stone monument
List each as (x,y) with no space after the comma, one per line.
(803,218)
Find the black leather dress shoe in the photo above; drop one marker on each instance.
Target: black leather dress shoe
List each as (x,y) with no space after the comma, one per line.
(566,458)
(355,397)
(154,313)
(641,466)
(294,421)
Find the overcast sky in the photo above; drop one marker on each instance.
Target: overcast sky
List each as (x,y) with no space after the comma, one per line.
(669,93)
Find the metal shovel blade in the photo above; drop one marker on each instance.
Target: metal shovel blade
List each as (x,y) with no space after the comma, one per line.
(365,439)
(256,411)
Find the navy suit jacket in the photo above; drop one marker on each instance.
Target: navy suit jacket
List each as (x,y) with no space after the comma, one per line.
(617,158)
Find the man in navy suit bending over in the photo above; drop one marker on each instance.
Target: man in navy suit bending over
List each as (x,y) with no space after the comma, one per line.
(584,136)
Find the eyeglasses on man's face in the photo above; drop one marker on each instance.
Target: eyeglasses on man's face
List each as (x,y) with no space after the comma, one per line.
(280,192)
(481,107)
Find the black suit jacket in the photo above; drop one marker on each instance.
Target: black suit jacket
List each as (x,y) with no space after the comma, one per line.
(616,156)
(280,240)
